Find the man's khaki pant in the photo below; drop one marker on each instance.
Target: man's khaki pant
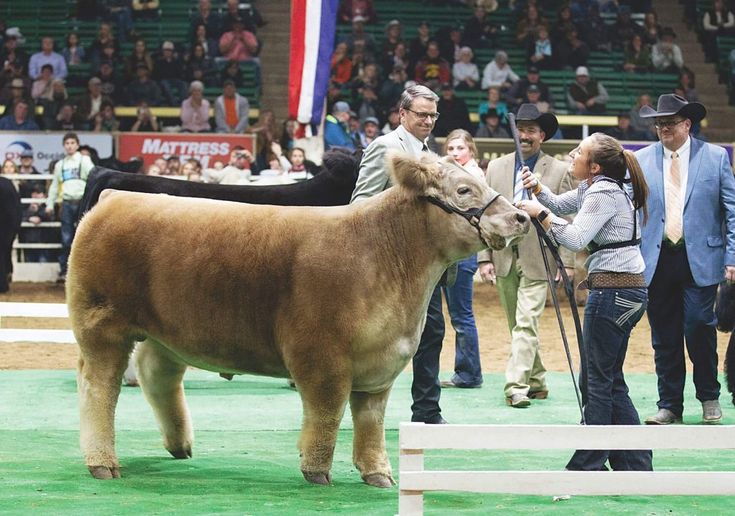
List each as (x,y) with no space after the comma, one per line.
(523,300)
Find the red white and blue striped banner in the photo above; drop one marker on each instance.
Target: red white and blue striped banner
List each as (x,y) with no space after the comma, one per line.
(313,28)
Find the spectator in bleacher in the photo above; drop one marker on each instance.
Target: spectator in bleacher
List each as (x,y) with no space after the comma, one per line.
(266,132)
(47,56)
(493,102)
(11,52)
(369,76)
(73,52)
(400,57)
(341,66)
(358,36)
(70,179)
(9,167)
(231,110)
(490,126)
(200,67)
(465,74)
(479,31)
(450,43)
(498,72)
(571,51)
(103,38)
(52,105)
(41,87)
(516,95)
(195,110)
(301,168)
(232,72)
(624,28)
(666,55)
(35,213)
(637,56)
(624,131)
(718,21)
(288,134)
(651,28)
(644,126)
(368,105)
(237,172)
(393,120)
(349,9)
(19,119)
(105,121)
(418,45)
(354,128)
(686,86)
(247,13)
(90,103)
(392,88)
(204,15)
(192,170)
(140,54)
(238,44)
(336,133)
(393,36)
(142,88)
(173,166)
(26,166)
(528,26)
(111,84)
(533,93)
(594,31)
(145,120)
(120,13)
(433,70)
(585,95)
(454,113)
(562,25)
(15,90)
(168,71)
(145,9)
(539,51)
(203,37)
(67,120)
(370,131)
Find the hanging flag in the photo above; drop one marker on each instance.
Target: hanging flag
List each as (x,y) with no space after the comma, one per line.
(313,28)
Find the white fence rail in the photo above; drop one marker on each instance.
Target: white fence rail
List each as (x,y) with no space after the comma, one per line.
(35,310)
(415,438)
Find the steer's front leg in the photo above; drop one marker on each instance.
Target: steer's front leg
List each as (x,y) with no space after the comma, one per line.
(368,446)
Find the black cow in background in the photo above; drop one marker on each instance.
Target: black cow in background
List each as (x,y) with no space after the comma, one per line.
(332,186)
(725,310)
(11,213)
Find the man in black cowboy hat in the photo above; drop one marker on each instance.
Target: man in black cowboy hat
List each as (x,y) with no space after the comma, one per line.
(519,270)
(686,252)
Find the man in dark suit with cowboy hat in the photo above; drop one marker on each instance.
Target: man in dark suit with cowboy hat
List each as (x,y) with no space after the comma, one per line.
(688,244)
(519,270)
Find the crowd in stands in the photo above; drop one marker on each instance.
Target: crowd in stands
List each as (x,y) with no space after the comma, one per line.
(220,40)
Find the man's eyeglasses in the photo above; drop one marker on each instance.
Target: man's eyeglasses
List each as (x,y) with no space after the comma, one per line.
(667,124)
(424,114)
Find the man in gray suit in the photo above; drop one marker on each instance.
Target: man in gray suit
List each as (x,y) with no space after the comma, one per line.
(519,269)
(417,109)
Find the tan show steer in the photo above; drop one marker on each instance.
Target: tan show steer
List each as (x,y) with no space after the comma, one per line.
(334,298)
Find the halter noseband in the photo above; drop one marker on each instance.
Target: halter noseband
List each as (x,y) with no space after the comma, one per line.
(473,215)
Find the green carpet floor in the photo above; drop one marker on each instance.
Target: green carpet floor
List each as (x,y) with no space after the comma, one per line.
(246,462)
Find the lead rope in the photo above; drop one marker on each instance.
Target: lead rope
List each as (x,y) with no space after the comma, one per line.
(568,288)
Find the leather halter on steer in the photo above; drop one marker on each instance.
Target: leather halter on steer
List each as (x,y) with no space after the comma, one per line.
(472,215)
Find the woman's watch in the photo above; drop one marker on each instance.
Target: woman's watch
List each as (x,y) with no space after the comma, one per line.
(542,215)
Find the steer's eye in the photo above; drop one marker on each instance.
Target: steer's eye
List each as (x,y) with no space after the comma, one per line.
(463,190)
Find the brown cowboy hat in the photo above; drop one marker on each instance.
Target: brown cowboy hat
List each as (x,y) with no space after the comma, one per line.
(672,104)
(547,121)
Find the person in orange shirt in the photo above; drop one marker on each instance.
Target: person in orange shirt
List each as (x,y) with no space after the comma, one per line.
(231,110)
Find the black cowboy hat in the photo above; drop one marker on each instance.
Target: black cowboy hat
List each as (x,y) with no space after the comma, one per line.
(547,121)
(671,104)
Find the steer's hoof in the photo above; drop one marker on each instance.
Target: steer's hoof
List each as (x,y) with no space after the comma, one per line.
(379,480)
(318,478)
(104,473)
(181,453)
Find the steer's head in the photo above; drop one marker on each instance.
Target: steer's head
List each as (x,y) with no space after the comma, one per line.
(467,206)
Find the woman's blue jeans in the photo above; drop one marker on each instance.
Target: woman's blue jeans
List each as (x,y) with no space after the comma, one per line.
(609,317)
(467,368)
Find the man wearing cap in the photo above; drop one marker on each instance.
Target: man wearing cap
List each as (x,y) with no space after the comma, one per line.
(168,71)
(418,112)
(517,93)
(336,132)
(91,102)
(688,245)
(11,52)
(370,131)
(26,167)
(231,110)
(47,56)
(519,270)
(586,96)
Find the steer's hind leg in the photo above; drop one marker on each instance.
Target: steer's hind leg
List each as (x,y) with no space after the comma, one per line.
(102,361)
(324,397)
(368,445)
(161,373)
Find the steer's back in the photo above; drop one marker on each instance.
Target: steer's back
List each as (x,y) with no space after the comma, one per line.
(211,280)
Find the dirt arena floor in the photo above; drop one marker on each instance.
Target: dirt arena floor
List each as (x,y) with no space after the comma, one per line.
(492,327)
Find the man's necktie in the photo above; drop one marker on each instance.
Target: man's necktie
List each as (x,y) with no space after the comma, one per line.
(518,190)
(425,148)
(674,230)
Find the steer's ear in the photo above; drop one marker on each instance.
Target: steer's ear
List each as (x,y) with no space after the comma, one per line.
(417,175)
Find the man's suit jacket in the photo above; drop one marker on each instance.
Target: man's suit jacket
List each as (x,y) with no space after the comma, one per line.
(709,211)
(500,176)
(373,177)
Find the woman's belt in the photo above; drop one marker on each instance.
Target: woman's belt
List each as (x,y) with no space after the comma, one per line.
(597,280)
